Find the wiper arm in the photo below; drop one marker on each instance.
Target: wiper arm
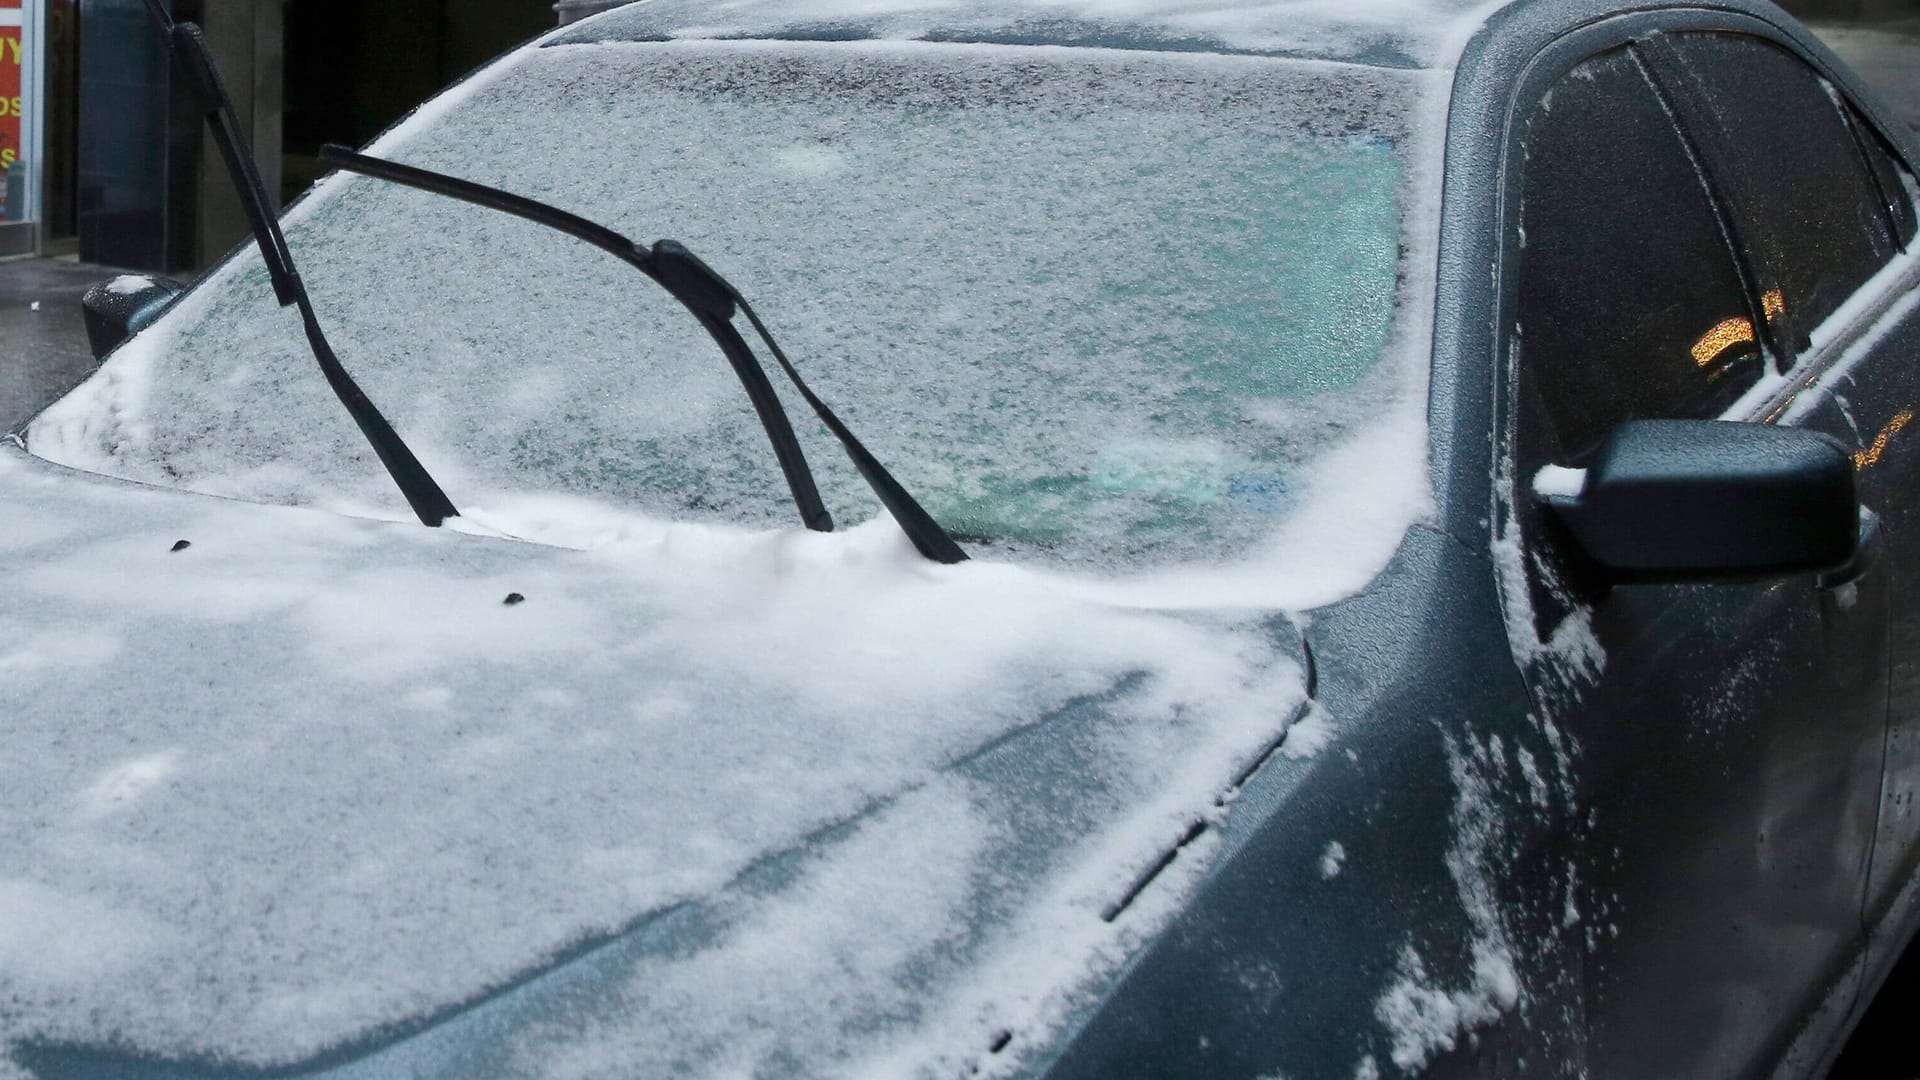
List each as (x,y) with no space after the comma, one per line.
(189,49)
(674,268)
(713,301)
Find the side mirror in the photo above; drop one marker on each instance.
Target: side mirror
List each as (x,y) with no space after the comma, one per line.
(116,310)
(1704,500)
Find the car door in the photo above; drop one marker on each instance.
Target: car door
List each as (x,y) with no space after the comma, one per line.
(1826,209)
(1723,741)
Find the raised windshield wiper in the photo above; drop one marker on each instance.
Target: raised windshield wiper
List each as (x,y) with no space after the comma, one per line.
(189,50)
(667,263)
(713,301)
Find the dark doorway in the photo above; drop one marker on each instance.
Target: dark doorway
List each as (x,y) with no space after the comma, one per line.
(354,67)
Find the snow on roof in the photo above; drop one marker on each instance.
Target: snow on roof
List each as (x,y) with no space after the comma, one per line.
(1404,33)
(309,775)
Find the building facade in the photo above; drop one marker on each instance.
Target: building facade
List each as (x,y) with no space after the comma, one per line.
(105,155)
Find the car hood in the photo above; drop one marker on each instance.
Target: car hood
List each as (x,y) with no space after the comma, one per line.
(287,788)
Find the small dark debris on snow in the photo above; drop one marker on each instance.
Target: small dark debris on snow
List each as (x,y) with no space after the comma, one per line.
(513,598)
(1000,1042)
(181,545)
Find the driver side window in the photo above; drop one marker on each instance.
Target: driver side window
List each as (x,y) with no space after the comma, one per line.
(1631,305)
(1630,302)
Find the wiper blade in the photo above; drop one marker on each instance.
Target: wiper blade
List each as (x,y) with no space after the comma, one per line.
(675,269)
(713,301)
(189,49)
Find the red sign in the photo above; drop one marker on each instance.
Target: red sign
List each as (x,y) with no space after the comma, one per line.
(10,103)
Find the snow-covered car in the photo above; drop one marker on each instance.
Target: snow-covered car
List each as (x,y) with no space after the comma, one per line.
(1341,633)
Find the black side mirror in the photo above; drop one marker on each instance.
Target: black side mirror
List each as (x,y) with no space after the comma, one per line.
(116,310)
(1703,500)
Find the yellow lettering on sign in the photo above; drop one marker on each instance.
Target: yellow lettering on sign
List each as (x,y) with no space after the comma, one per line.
(13,49)
(6,158)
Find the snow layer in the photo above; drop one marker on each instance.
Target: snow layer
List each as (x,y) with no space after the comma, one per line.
(1332,860)
(128,284)
(1379,31)
(1901,274)
(309,775)
(1423,1014)
(1559,480)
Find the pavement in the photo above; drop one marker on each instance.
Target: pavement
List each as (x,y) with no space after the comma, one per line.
(1886,55)
(43,341)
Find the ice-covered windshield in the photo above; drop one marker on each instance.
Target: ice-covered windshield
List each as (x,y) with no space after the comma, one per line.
(1089,306)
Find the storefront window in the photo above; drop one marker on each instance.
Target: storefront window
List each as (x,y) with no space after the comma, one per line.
(20,83)
(13,194)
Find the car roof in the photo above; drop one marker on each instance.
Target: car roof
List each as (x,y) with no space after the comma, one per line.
(1386,33)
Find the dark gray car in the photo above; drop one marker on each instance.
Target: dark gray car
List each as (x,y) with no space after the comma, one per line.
(1438,489)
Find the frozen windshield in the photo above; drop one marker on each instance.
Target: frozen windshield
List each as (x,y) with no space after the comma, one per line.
(1089,306)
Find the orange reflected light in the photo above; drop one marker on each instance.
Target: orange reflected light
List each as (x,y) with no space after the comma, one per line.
(1731,332)
(1871,455)
(1718,340)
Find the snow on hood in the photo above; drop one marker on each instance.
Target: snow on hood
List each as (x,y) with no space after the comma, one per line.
(1393,32)
(308,776)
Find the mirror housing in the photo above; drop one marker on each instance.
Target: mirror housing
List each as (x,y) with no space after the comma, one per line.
(1707,500)
(116,310)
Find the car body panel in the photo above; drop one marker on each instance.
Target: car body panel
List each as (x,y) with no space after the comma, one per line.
(1280,968)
